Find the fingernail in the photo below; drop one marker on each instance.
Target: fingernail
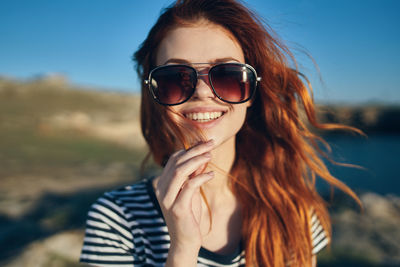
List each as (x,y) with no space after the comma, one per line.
(211,173)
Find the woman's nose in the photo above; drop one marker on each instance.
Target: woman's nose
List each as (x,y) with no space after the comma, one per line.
(203,87)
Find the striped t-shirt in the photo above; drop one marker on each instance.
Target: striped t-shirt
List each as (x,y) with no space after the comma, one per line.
(125,227)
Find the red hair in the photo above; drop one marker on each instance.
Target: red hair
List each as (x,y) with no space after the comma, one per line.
(277,156)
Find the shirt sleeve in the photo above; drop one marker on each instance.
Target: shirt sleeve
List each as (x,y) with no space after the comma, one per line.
(319,238)
(108,239)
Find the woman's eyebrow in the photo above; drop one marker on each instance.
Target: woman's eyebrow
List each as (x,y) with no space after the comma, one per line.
(224,59)
(184,61)
(176,60)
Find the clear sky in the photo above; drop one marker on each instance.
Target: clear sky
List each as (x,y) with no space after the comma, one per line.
(356,43)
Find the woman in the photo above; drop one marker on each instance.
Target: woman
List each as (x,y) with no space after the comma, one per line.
(220,113)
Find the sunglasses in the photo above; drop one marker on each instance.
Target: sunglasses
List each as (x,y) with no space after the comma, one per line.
(175,84)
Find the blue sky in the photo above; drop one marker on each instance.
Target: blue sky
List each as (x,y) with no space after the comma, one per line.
(356,43)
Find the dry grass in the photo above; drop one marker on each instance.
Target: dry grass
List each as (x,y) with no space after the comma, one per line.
(51,171)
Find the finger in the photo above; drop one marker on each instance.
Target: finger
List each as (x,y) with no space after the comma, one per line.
(196,150)
(182,155)
(200,170)
(184,199)
(181,174)
(173,159)
(165,179)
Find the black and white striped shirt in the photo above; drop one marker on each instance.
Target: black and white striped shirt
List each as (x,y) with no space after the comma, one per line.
(125,227)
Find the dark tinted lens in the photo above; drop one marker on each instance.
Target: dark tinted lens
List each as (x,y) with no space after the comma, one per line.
(233,82)
(173,84)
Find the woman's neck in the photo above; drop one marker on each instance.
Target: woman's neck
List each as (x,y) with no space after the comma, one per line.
(222,160)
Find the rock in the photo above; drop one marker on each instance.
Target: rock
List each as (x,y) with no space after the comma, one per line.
(124,132)
(60,250)
(372,234)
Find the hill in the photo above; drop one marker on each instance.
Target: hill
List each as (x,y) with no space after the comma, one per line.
(371,118)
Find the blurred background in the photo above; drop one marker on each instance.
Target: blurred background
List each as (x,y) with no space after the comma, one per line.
(69,126)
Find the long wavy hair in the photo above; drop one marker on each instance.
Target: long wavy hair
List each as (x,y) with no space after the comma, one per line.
(277,156)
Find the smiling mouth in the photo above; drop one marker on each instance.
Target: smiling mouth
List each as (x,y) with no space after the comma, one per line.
(204,116)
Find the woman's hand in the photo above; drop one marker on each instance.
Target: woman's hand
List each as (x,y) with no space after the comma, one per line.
(178,192)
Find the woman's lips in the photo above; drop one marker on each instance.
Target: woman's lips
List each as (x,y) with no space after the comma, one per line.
(204,117)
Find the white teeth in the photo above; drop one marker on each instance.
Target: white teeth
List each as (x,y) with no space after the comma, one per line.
(204,117)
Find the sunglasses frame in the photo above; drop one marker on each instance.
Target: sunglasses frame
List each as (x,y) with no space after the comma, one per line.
(257,80)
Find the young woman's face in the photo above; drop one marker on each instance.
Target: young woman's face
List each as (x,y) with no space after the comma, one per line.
(205,43)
